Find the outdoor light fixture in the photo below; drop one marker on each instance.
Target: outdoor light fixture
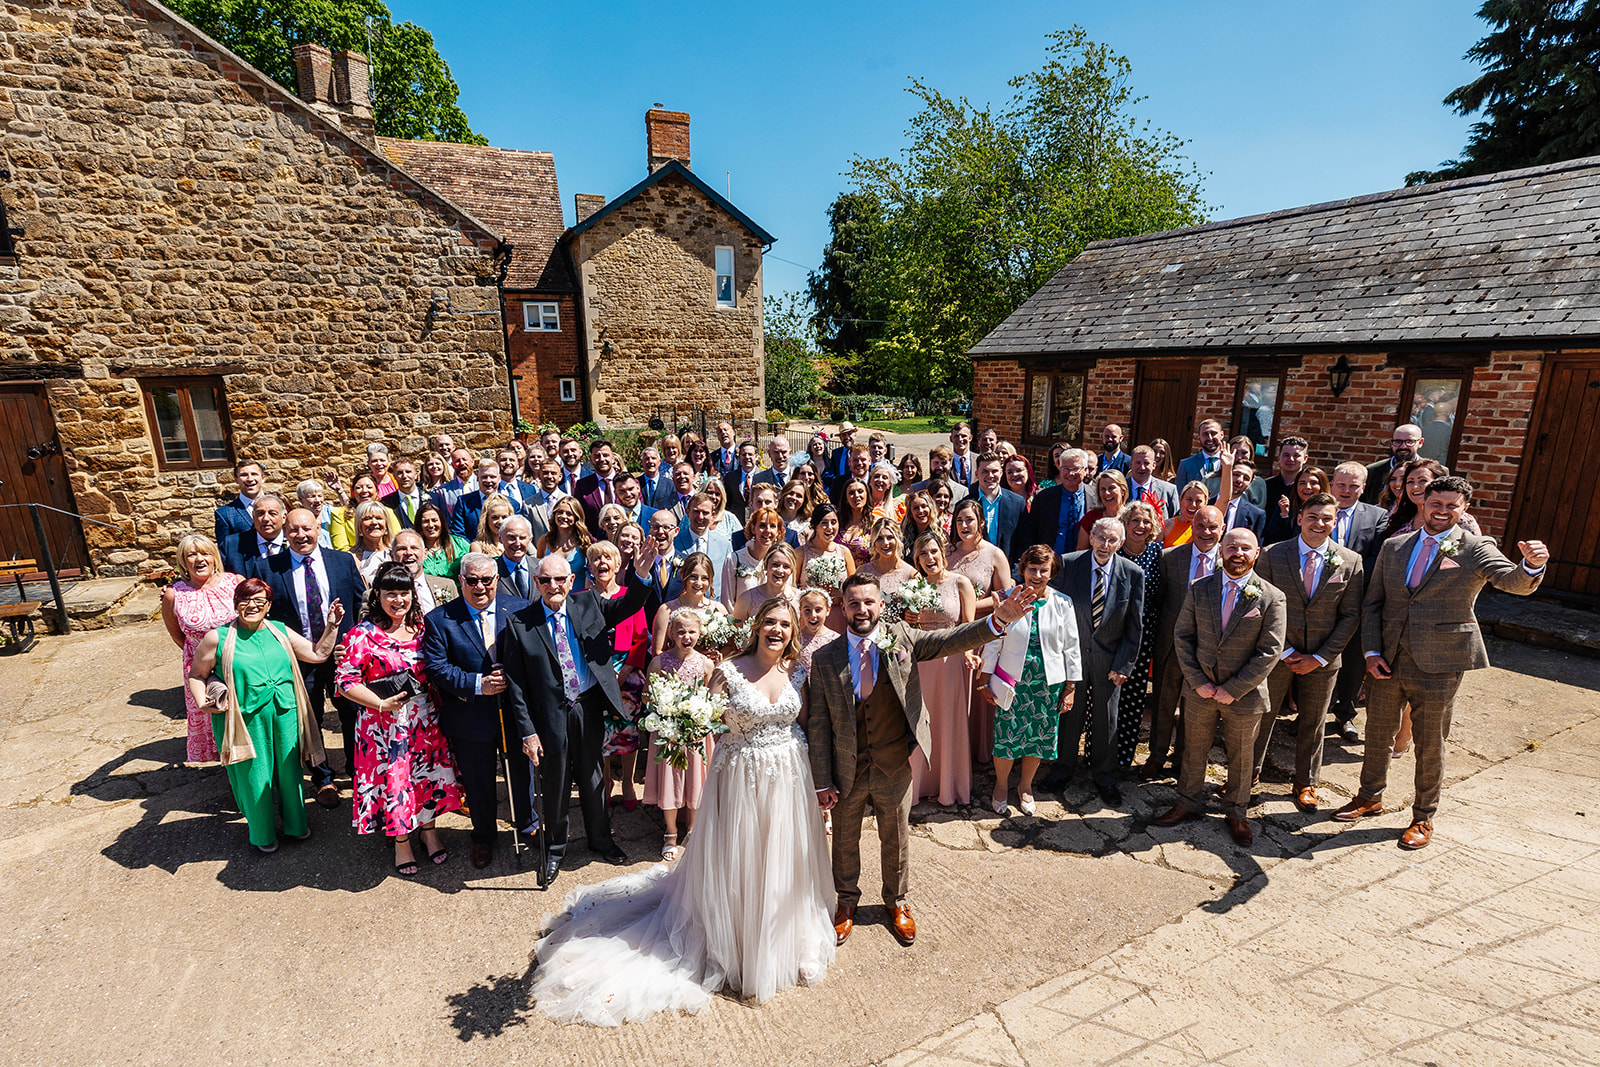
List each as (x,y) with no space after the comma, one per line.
(1339,376)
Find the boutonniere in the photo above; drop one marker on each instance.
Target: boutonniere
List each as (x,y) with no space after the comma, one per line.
(1252,589)
(444,594)
(1331,558)
(888,642)
(1451,546)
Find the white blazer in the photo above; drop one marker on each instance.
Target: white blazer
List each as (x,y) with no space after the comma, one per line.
(1058,640)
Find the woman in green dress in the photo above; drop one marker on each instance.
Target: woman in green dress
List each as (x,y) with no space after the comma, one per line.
(443,549)
(264,729)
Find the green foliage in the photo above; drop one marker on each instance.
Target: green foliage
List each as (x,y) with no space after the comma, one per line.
(792,374)
(413,93)
(984,205)
(1539,92)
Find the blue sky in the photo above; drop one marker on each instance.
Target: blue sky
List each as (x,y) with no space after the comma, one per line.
(1284,103)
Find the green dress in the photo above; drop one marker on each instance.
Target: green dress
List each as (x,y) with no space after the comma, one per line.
(434,562)
(1028,727)
(273,781)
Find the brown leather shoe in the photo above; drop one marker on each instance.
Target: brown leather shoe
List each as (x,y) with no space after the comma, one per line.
(904,926)
(1417,835)
(481,855)
(844,920)
(328,796)
(1306,799)
(1240,829)
(1177,814)
(1151,770)
(1358,809)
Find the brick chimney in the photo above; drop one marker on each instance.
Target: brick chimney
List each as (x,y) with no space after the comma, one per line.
(351,95)
(313,67)
(586,204)
(666,136)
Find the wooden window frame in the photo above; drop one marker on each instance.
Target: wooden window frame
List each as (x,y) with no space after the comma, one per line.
(1034,375)
(567,390)
(535,322)
(1408,390)
(1260,370)
(186,408)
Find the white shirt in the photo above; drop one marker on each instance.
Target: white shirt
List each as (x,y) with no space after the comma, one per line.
(415,496)
(265,547)
(476,619)
(1100,575)
(424,593)
(298,576)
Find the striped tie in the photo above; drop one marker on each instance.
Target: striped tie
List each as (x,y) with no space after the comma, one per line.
(1097,602)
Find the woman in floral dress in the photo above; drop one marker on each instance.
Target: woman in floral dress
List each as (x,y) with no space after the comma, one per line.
(945,770)
(192,607)
(404,776)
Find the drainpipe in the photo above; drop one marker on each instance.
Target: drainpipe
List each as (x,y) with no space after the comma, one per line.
(504,252)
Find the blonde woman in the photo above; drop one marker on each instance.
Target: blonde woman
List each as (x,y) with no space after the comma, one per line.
(192,607)
(779,569)
(611,520)
(373,536)
(342,523)
(762,532)
(496,510)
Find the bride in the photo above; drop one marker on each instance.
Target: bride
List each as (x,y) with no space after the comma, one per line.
(749,906)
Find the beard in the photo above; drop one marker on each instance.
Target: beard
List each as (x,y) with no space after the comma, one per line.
(862,625)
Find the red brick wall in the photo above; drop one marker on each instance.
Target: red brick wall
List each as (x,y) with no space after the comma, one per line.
(997,386)
(1354,426)
(1496,431)
(1108,397)
(542,358)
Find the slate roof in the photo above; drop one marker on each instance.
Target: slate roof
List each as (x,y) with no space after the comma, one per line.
(669,169)
(1508,256)
(512,190)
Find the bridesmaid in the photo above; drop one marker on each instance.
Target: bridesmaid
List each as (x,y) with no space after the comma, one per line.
(778,572)
(665,786)
(986,567)
(763,532)
(192,607)
(814,629)
(695,573)
(886,563)
(945,770)
(856,520)
(824,542)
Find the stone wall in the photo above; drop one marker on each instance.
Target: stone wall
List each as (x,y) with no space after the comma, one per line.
(648,274)
(185,216)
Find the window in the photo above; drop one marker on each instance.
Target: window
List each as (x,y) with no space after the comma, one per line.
(545,318)
(1053,408)
(1433,398)
(569,389)
(1255,413)
(725,276)
(189,420)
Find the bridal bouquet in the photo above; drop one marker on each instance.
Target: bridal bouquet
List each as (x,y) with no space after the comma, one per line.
(721,629)
(913,595)
(681,714)
(826,572)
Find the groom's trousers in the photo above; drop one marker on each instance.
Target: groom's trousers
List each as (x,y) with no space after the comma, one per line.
(883,776)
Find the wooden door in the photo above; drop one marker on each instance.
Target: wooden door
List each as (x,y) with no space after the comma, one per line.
(32,471)
(1557,499)
(1164,397)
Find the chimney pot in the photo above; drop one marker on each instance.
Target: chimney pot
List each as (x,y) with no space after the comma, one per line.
(313,67)
(666,137)
(586,204)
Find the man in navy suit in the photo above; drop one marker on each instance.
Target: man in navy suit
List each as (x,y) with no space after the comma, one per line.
(630,498)
(1145,487)
(1359,527)
(560,685)
(304,581)
(1113,458)
(839,458)
(1057,510)
(1241,514)
(516,562)
(696,535)
(1107,592)
(724,457)
(655,484)
(1002,509)
(460,649)
(265,538)
(741,479)
(407,497)
(1206,464)
(469,509)
(234,516)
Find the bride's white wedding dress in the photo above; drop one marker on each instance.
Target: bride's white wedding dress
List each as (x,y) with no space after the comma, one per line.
(748,907)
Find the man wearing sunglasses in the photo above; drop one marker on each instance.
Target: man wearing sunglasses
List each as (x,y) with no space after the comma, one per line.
(559,685)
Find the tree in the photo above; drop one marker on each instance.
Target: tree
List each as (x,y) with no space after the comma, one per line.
(986,204)
(851,307)
(1539,92)
(792,374)
(413,94)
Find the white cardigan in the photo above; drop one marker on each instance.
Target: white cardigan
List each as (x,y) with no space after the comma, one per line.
(1058,640)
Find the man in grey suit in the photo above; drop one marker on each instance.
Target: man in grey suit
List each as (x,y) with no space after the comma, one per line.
(1228,639)
(1357,526)
(1420,635)
(1322,584)
(1107,591)
(866,720)
(1181,567)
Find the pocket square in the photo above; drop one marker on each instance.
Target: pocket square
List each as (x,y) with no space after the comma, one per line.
(1448,564)
(1253,613)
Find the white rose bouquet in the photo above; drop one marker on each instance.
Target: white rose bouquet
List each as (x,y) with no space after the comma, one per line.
(826,572)
(681,715)
(917,595)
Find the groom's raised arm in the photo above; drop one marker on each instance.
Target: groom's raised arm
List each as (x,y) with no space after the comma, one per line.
(932,644)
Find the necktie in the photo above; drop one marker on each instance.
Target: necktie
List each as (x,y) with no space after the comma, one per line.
(864,675)
(316,620)
(649,489)
(1308,573)
(273,548)
(1341,529)
(1202,568)
(608,497)
(1420,567)
(961,470)
(1097,602)
(1138,493)
(411,510)
(569,669)
(1230,597)
(486,627)
(520,572)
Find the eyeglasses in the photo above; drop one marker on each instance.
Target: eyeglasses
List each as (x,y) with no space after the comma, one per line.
(545,579)
(486,579)
(253,603)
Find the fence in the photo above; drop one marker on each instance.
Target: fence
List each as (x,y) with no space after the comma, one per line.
(703,421)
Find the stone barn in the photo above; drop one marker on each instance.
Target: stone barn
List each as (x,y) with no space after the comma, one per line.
(1471,307)
(209,269)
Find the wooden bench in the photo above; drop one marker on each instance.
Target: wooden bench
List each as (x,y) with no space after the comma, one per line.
(19,617)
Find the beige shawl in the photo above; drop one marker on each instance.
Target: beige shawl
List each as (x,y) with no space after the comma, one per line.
(236,746)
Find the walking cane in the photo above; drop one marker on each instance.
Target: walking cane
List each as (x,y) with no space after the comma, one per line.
(511,796)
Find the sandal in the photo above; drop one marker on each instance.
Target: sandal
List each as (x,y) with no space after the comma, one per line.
(409,867)
(669,847)
(439,857)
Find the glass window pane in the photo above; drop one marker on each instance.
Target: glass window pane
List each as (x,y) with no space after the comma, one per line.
(169,424)
(1066,408)
(1039,407)
(1257,409)
(551,315)
(725,276)
(203,402)
(1433,408)
(724,260)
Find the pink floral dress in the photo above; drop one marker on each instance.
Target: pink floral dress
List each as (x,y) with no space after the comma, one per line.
(664,785)
(199,611)
(404,774)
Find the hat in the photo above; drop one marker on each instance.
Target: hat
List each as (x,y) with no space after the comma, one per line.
(846,427)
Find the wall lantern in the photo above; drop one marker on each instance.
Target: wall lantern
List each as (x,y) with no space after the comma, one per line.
(1339,376)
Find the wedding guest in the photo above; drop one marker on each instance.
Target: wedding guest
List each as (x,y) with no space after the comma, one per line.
(1145,487)
(699,535)
(886,565)
(1294,455)
(264,538)
(1237,510)
(667,787)
(1111,488)
(655,479)
(1225,669)
(442,550)
(695,586)
(371,549)
(622,735)
(763,531)
(1054,516)
(736,483)
(817,455)
(725,457)
(1357,526)
(267,730)
(972,554)
(855,520)
(1206,464)
(881,503)
(794,506)
(1181,567)
(1165,467)
(598,488)
(234,517)
(569,539)
(491,519)
(809,475)
(468,511)
(778,455)
(1019,478)
(1049,478)
(1143,547)
(1405,445)
(430,589)
(1112,457)
(945,494)
(663,528)
(963,462)
(510,462)
(815,604)
(312,495)
(1408,513)
(404,775)
(378,467)
(610,519)
(192,607)
(630,498)
(910,469)
(922,516)
(1028,681)
(1243,450)
(573,468)
(462,465)
(778,572)
(342,526)
(878,447)
(671,450)
(1004,512)
(1193,497)
(939,459)
(460,656)
(1285,518)
(944,770)
(435,472)
(723,519)
(764,496)
(513,557)
(824,542)
(538,500)
(858,466)
(408,495)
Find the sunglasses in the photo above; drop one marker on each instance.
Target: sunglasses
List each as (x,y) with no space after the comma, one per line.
(487,579)
(545,579)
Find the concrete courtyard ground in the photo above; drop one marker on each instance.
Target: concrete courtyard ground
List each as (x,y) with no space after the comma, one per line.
(143,929)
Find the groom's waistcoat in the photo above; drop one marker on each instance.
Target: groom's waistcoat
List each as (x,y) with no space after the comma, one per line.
(882,732)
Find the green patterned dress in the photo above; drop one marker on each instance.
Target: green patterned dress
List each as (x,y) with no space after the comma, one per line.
(1028,727)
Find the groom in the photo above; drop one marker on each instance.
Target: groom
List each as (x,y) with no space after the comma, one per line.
(869,721)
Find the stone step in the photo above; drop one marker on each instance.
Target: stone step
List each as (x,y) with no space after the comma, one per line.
(92,604)
(142,606)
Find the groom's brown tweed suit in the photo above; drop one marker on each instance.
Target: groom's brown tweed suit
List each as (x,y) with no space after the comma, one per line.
(863,748)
